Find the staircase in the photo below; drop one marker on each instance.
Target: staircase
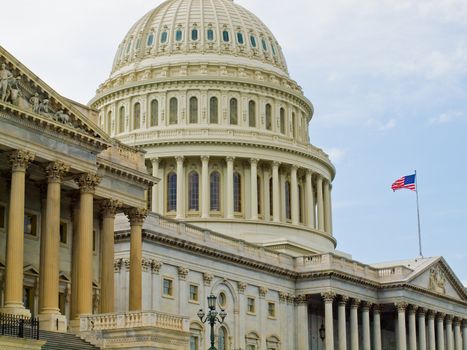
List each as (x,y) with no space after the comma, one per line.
(64,341)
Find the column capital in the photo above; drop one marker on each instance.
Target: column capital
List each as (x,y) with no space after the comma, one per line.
(229,159)
(88,182)
(412,309)
(136,215)
(204,158)
(254,161)
(282,297)
(276,164)
(319,178)
(328,296)
(457,321)
(309,172)
(401,306)
(440,316)
(56,170)
(182,272)
(431,314)
(154,160)
(20,159)
(294,167)
(241,287)
(262,292)
(448,319)
(366,305)
(354,303)
(343,299)
(207,278)
(377,308)
(421,311)
(301,299)
(179,159)
(109,207)
(290,298)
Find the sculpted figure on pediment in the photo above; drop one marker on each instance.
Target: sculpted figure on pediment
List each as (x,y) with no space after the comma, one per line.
(62,117)
(5,76)
(35,103)
(437,280)
(13,92)
(44,107)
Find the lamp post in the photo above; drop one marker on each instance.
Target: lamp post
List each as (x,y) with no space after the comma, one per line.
(211,317)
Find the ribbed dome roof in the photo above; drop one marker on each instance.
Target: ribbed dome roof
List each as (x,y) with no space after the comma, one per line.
(199,30)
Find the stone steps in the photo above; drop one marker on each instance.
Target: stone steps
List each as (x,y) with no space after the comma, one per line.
(64,341)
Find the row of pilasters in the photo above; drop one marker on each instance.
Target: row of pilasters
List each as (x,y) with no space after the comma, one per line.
(315,186)
(82,247)
(414,328)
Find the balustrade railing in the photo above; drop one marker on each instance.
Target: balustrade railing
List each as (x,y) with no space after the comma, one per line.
(19,327)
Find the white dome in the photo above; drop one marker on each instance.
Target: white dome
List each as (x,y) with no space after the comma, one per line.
(197,30)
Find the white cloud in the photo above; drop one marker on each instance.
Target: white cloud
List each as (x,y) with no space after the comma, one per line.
(445,118)
(382,125)
(336,154)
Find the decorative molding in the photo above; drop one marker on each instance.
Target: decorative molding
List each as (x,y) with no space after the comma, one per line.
(282,297)
(301,299)
(136,215)
(328,297)
(182,272)
(343,299)
(56,170)
(146,264)
(401,306)
(155,266)
(88,182)
(207,278)
(262,292)
(20,159)
(109,207)
(437,282)
(241,287)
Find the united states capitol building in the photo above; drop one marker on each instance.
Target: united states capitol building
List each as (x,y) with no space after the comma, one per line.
(191,173)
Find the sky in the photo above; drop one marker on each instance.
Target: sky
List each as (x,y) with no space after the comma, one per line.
(387,78)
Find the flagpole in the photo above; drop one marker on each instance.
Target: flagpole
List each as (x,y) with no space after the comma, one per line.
(418,217)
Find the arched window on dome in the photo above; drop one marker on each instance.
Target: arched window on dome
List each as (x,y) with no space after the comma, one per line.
(213,110)
(273,49)
(288,209)
(215,195)
(240,39)
(225,36)
(137,116)
(271,201)
(121,119)
(164,36)
(268,117)
(138,43)
(233,111)
(259,193)
(193,191)
(264,44)
(237,192)
(173,111)
(210,34)
(171,191)
(154,118)
(300,203)
(128,47)
(193,118)
(222,339)
(293,126)
(194,34)
(150,40)
(252,113)
(109,122)
(253,41)
(282,121)
(178,35)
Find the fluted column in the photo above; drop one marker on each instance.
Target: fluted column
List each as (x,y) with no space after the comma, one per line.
(457,334)
(341,330)
(87,184)
(354,324)
(180,187)
(108,209)
(320,200)
(49,276)
(440,331)
(74,207)
(294,195)
(155,187)
(449,333)
(377,327)
(310,202)
(13,304)
(402,337)
(421,329)
(254,188)
(136,217)
(366,325)
(266,195)
(276,209)
(229,195)
(431,330)
(205,189)
(327,207)
(328,299)
(302,324)
(464,334)
(412,328)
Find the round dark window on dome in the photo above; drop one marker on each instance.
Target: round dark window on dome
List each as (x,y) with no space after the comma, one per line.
(178,35)
(164,36)
(150,40)
(225,36)
(194,34)
(210,34)
(240,38)
(253,41)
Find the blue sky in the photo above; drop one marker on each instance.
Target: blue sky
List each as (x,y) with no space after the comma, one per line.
(388,80)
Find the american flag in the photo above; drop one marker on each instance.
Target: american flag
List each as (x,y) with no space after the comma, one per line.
(404,182)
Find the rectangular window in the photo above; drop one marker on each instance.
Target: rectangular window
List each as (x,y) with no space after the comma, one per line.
(2,216)
(30,224)
(63,232)
(167,287)
(272,310)
(193,292)
(251,307)
(194,343)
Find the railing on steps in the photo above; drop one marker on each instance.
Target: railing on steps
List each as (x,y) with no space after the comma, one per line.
(19,326)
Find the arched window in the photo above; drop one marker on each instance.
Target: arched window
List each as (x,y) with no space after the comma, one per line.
(293,125)
(137,115)
(226,36)
(178,35)
(268,117)
(273,49)
(300,203)
(150,40)
(210,34)
(258,194)
(193,110)
(194,34)
(240,38)
(233,111)
(253,41)
(237,195)
(164,36)
(288,209)
(109,121)
(173,112)
(252,113)
(196,334)
(213,110)
(154,120)
(272,343)
(282,121)
(171,191)
(121,119)
(265,46)
(193,191)
(270,197)
(215,183)
(222,339)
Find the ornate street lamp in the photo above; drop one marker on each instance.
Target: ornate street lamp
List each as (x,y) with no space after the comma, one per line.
(322,332)
(211,317)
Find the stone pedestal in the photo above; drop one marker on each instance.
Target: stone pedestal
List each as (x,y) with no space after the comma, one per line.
(53,322)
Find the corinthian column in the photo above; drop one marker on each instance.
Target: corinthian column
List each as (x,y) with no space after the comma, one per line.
(327,207)
(464,334)
(341,322)
(229,196)
(328,298)
(402,340)
(254,188)
(310,202)
(205,190)
(266,194)
(354,324)
(377,326)
(431,331)
(50,239)
(412,328)
(19,161)
(136,216)
(449,334)
(302,328)
(108,209)
(155,187)
(180,187)
(440,331)
(421,329)
(319,187)
(87,184)
(294,195)
(457,334)
(366,325)
(276,209)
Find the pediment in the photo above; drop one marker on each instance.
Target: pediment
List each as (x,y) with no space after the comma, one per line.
(26,96)
(439,278)
(30,270)
(63,277)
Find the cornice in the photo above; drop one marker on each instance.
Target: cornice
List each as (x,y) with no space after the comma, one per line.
(130,174)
